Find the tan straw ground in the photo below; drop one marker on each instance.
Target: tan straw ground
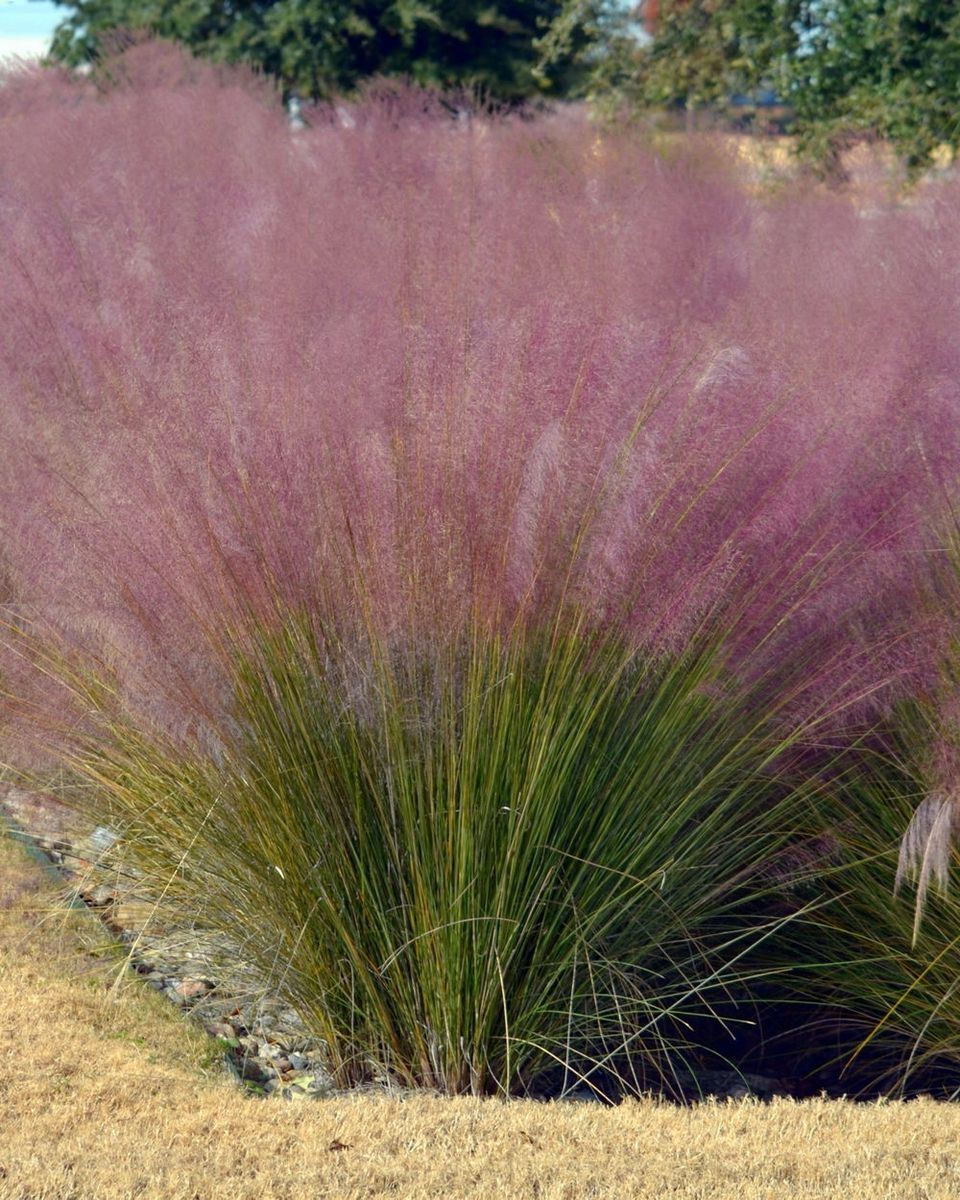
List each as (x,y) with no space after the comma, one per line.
(107,1096)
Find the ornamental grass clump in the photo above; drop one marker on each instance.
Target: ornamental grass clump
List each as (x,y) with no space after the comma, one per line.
(891,929)
(871,982)
(438,549)
(519,863)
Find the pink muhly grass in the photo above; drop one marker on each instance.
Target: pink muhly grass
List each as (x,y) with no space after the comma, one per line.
(378,406)
(423,373)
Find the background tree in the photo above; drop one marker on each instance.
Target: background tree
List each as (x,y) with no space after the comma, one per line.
(889,68)
(848,69)
(319,47)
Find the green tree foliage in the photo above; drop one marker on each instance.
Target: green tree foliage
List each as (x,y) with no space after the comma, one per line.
(885,67)
(847,68)
(319,47)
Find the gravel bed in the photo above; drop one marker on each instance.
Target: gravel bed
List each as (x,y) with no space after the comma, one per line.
(264,1043)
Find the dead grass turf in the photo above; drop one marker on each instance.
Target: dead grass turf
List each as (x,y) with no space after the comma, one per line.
(106,1096)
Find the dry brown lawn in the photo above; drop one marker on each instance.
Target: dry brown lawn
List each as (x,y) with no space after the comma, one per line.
(104,1094)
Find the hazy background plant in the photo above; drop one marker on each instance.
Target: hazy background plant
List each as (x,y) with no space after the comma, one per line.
(830,72)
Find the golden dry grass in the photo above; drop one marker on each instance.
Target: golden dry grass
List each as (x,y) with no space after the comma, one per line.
(105,1096)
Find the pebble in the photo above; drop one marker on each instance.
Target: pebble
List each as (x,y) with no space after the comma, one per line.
(188,990)
(221,1029)
(581,1095)
(254,1071)
(102,838)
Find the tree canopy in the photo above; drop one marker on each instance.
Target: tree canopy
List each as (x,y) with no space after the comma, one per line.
(846,68)
(320,47)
